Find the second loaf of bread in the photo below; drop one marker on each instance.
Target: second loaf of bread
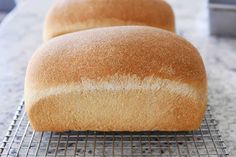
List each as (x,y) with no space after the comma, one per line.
(67,16)
(129,78)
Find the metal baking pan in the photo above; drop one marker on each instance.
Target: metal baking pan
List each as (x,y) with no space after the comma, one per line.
(21,140)
(222,16)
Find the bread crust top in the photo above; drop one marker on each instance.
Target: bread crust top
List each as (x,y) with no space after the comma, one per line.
(100,53)
(67,16)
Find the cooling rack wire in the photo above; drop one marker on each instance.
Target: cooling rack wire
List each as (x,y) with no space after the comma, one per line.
(22,141)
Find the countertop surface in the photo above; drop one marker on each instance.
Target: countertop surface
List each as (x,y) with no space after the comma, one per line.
(21,34)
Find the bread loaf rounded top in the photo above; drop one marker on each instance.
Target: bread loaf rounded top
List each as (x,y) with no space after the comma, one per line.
(67,16)
(99,54)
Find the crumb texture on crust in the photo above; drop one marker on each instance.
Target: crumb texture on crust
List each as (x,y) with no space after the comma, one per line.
(118,83)
(67,16)
(127,78)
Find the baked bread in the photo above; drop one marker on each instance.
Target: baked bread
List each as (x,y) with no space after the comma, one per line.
(68,16)
(124,78)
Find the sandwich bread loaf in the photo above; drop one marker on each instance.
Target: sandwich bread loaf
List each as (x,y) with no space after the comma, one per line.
(124,78)
(67,16)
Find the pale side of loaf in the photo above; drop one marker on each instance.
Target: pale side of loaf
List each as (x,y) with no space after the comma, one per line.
(67,16)
(127,78)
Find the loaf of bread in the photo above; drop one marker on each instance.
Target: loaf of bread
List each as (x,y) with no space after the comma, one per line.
(68,16)
(124,78)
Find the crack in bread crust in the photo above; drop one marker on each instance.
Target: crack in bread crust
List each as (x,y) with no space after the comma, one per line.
(117,83)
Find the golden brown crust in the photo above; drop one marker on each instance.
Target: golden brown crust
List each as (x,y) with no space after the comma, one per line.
(100,54)
(73,15)
(124,50)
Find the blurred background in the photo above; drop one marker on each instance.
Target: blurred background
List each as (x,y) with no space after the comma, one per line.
(209,25)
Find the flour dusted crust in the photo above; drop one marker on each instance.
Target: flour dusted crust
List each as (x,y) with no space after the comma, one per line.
(126,78)
(67,16)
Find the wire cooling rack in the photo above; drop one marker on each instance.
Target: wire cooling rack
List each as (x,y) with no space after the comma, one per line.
(21,141)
